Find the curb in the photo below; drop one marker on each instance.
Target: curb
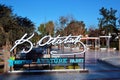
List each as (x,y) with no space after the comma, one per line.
(107,63)
(34,72)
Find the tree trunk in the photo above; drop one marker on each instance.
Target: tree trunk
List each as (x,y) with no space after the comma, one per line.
(6,55)
(119,44)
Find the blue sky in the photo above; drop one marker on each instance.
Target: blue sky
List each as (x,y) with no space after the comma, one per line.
(40,11)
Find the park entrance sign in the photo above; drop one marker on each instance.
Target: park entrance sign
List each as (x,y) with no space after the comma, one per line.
(64,58)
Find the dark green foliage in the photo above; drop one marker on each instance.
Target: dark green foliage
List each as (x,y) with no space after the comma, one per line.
(107,22)
(73,66)
(59,67)
(13,27)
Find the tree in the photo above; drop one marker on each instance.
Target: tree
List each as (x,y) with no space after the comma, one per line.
(119,23)
(5,20)
(107,24)
(35,38)
(75,28)
(119,32)
(5,17)
(93,32)
(2,37)
(11,28)
(26,24)
(13,25)
(108,21)
(42,30)
(50,28)
(46,29)
(62,23)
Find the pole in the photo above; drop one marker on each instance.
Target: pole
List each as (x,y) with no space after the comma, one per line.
(84,62)
(119,44)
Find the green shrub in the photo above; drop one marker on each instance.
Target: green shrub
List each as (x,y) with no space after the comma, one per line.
(59,67)
(72,67)
(77,67)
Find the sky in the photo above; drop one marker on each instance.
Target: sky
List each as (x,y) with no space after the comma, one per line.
(41,11)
